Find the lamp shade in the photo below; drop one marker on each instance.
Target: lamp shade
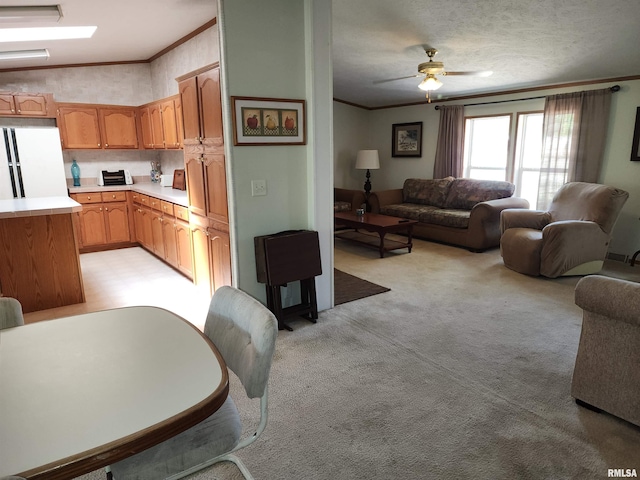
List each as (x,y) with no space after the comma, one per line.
(430,83)
(367,159)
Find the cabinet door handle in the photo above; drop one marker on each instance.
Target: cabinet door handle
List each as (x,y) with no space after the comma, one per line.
(100,208)
(106,144)
(98,144)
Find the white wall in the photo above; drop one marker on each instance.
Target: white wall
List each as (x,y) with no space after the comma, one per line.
(617,169)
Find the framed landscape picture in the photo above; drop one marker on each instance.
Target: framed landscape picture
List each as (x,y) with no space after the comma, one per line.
(268,121)
(407,140)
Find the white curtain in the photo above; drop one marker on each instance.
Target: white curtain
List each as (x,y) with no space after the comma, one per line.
(574,133)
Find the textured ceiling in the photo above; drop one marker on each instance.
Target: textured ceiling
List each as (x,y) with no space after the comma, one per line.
(524,43)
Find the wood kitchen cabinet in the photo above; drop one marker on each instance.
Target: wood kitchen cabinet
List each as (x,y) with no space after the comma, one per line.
(211,253)
(104,219)
(205,172)
(97,127)
(163,229)
(118,127)
(161,124)
(26,104)
(202,108)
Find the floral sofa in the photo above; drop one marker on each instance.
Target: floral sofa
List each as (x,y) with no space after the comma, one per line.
(458,211)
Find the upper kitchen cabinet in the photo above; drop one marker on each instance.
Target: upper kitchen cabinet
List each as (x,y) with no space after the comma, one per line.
(161,124)
(97,127)
(118,127)
(202,108)
(27,105)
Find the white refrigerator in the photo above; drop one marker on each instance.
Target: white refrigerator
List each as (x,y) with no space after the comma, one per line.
(31,163)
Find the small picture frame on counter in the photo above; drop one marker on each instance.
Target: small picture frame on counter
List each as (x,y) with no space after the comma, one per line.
(179,180)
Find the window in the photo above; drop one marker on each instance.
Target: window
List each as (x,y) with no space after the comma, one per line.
(489,154)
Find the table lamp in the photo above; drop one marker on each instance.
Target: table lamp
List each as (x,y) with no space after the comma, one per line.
(367,160)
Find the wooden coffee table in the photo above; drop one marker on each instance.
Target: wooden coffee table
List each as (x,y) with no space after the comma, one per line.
(378,224)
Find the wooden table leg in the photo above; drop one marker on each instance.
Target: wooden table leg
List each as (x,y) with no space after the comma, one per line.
(381,244)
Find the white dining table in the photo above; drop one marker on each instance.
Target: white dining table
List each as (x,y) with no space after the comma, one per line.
(79,393)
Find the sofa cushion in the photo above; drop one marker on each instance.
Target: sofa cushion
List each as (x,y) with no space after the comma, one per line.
(446,217)
(406,210)
(464,193)
(426,191)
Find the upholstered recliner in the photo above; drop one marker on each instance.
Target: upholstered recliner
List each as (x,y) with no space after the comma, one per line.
(606,374)
(345,200)
(571,238)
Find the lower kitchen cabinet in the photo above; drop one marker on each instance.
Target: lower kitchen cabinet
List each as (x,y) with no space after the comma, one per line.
(104,219)
(211,253)
(163,229)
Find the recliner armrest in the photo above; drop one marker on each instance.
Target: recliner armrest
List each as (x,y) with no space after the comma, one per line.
(521,218)
(609,297)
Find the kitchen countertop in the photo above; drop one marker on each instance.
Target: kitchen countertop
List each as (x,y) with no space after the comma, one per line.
(168,194)
(33,207)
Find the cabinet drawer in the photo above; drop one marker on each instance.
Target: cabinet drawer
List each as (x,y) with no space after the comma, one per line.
(181,212)
(114,196)
(135,197)
(155,203)
(144,200)
(92,197)
(167,208)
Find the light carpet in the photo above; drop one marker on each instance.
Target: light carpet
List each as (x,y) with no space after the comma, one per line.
(461,371)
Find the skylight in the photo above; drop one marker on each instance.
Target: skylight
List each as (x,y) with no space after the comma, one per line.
(45,33)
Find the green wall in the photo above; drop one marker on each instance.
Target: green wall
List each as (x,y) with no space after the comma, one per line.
(265,53)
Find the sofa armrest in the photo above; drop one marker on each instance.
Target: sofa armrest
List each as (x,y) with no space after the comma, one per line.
(384,197)
(521,218)
(609,297)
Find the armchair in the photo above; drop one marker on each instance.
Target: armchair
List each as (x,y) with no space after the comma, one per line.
(571,238)
(606,375)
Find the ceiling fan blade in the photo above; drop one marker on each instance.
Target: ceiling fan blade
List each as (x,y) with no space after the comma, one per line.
(484,73)
(375,82)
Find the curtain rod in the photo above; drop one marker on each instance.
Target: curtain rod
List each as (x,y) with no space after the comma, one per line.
(614,89)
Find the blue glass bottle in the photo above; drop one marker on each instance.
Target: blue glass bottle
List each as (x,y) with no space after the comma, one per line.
(75,173)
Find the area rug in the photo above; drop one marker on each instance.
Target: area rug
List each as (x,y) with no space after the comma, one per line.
(348,288)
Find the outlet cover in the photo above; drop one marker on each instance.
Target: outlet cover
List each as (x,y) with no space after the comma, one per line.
(258,188)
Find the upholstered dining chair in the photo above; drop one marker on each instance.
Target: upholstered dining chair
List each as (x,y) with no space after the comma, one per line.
(10,313)
(244,331)
(571,238)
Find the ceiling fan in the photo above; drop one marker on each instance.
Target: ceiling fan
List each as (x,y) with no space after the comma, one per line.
(429,70)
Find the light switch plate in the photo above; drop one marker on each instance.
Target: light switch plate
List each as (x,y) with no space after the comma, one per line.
(258,188)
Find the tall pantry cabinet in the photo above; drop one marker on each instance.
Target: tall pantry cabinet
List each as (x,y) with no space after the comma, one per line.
(206,176)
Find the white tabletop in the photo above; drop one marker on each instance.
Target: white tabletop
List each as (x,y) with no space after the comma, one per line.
(74,391)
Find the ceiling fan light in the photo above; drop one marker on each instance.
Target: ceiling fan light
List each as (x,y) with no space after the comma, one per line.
(430,83)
